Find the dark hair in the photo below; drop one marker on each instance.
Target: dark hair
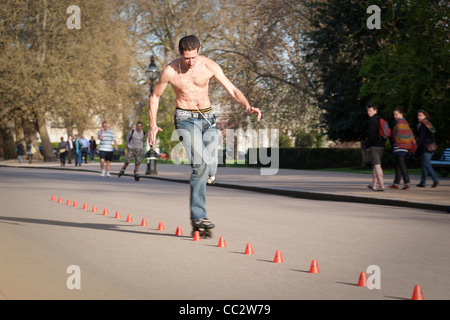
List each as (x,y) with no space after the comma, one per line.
(139,122)
(399,110)
(373,106)
(188,43)
(424,113)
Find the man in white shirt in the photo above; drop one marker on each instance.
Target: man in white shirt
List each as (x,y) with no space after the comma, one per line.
(107,138)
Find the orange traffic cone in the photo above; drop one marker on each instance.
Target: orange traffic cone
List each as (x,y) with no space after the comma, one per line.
(196,236)
(249,249)
(85,206)
(129,219)
(178,232)
(59,200)
(75,204)
(160,226)
(314,267)
(362,279)
(117,215)
(53,198)
(144,222)
(221,243)
(68,202)
(94,208)
(417,294)
(105,212)
(278,257)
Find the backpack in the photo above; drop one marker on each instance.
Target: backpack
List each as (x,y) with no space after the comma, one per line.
(131,136)
(385,130)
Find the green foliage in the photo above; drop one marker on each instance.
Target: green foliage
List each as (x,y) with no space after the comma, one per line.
(411,69)
(404,64)
(314,158)
(339,42)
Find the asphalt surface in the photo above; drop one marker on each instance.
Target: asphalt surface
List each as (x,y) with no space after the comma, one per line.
(307,184)
(40,239)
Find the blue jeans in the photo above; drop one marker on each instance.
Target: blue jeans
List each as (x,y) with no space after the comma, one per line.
(78,157)
(200,140)
(427,168)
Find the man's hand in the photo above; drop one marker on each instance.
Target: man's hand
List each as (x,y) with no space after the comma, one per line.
(252,110)
(152,134)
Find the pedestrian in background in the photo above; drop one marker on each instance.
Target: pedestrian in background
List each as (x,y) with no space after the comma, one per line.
(62,149)
(84,148)
(426,146)
(20,149)
(375,147)
(92,148)
(135,144)
(31,150)
(105,148)
(403,142)
(78,146)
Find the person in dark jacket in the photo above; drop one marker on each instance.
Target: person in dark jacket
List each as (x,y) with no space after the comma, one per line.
(62,149)
(375,147)
(425,139)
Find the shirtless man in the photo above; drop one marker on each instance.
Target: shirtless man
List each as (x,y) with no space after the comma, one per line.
(189,76)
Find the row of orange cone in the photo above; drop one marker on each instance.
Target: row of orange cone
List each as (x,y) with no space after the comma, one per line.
(117,216)
(314,268)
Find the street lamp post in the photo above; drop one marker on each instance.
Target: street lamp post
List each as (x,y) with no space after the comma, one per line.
(152,74)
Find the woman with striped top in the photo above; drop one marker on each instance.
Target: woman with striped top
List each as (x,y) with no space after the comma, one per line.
(403,143)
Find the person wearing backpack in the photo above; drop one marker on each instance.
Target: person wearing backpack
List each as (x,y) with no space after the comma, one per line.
(135,142)
(377,133)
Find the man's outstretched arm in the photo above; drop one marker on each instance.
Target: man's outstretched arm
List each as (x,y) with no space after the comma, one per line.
(153,106)
(234,92)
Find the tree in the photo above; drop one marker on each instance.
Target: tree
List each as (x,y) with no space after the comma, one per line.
(50,73)
(411,70)
(338,45)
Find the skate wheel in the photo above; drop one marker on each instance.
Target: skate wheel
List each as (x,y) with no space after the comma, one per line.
(207,234)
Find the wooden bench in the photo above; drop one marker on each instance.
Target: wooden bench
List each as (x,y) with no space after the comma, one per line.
(443,164)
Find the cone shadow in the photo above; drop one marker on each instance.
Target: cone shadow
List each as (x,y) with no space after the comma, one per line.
(298,270)
(347,283)
(98,226)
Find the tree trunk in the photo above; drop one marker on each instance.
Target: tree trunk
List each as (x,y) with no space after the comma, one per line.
(8,144)
(47,147)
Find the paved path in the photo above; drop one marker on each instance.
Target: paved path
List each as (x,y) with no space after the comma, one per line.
(40,239)
(309,184)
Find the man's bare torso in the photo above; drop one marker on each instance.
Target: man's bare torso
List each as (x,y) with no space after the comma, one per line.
(191,85)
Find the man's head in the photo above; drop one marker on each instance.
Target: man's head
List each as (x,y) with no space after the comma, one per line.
(189,47)
(188,43)
(139,126)
(372,109)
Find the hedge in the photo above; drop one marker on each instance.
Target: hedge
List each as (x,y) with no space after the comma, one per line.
(308,158)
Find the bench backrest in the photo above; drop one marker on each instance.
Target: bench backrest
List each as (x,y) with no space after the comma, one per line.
(445,155)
